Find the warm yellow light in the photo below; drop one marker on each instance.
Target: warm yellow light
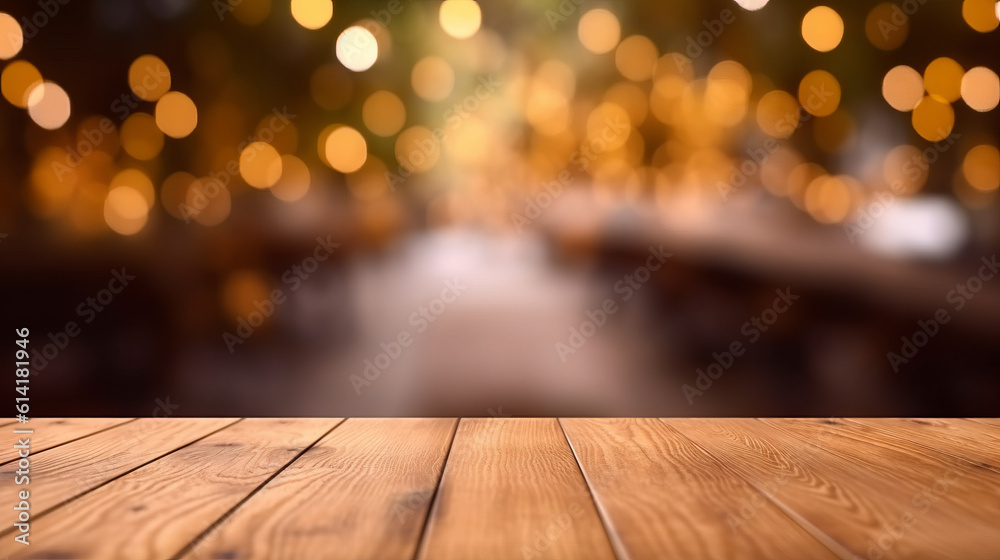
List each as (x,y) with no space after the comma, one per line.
(136,179)
(981,167)
(828,199)
(933,119)
(885,28)
(357,49)
(11,37)
(599,31)
(432,78)
(752,5)
(981,89)
(460,18)
(208,201)
(294,182)
(312,14)
(902,88)
(383,113)
(635,58)
(149,77)
(125,210)
(173,192)
(981,15)
(176,114)
(345,149)
(48,105)
(17,80)
(140,136)
(417,150)
(260,165)
(822,28)
(778,114)
(819,93)
(943,78)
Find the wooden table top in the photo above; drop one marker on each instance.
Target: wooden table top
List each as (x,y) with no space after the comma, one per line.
(507,488)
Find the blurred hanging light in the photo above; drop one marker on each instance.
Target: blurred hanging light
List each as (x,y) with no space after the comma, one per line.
(357,49)
(11,37)
(822,28)
(312,14)
(460,18)
(48,105)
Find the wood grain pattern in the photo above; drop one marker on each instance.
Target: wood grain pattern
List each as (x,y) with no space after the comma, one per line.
(74,468)
(954,486)
(51,432)
(961,438)
(664,497)
(362,493)
(505,488)
(169,502)
(512,489)
(867,514)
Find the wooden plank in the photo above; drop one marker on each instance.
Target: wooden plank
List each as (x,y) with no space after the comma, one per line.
(165,504)
(69,470)
(871,516)
(991,422)
(512,489)
(664,497)
(362,492)
(51,432)
(961,438)
(966,488)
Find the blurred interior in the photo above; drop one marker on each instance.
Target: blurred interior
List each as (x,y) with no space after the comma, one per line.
(533,152)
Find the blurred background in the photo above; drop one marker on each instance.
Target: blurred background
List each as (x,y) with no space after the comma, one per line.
(514,207)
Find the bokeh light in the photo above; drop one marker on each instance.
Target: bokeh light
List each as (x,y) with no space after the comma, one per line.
(933,119)
(137,180)
(981,15)
(383,113)
(599,31)
(943,78)
(125,210)
(902,88)
(635,58)
(345,149)
(981,167)
(357,49)
(260,165)
(140,137)
(981,89)
(887,26)
(48,105)
(822,28)
(778,114)
(752,5)
(819,93)
(294,181)
(432,78)
(149,77)
(176,115)
(417,150)
(312,14)
(460,18)
(11,36)
(17,80)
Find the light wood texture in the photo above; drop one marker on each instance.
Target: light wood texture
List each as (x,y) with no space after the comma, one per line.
(662,496)
(51,432)
(868,514)
(362,493)
(167,503)
(953,485)
(961,438)
(74,468)
(512,489)
(506,488)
